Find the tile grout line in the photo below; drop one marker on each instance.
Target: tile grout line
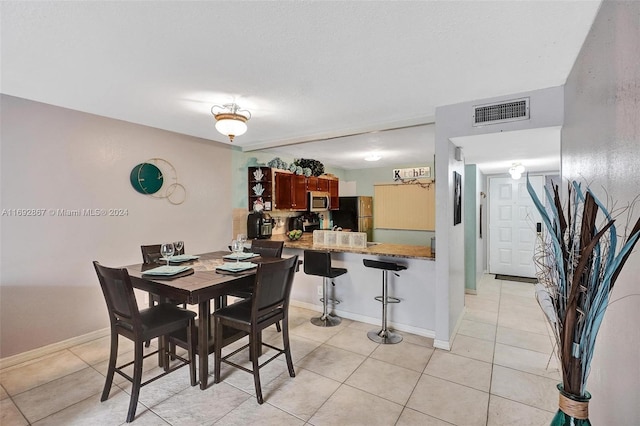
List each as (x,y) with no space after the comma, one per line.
(495,339)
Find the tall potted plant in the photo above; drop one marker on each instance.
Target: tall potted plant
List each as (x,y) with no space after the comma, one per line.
(578,263)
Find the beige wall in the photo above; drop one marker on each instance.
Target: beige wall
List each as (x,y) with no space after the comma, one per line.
(601,146)
(54,158)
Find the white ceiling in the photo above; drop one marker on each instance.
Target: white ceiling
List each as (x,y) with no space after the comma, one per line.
(306,70)
(538,150)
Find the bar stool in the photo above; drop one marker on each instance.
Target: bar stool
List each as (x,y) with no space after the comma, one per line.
(318,263)
(384,336)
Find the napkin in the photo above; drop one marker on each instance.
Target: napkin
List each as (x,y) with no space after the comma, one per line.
(166,270)
(236,266)
(241,256)
(183,258)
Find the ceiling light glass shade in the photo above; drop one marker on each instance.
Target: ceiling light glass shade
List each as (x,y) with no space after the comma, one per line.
(230,125)
(516,171)
(231,121)
(372,157)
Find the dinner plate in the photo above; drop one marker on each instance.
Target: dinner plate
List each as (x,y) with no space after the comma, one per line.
(166,270)
(241,256)
(183,258)
(237,266)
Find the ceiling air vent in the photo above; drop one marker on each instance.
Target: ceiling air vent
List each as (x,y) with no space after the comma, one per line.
(517,109)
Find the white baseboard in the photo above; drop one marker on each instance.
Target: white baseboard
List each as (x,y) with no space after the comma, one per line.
(442,344)
(52,348)
(78,340)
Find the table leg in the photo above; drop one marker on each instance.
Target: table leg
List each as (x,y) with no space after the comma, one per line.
(203,342)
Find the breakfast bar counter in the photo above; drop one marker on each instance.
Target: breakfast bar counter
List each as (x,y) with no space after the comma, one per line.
(357,289)
(373,249)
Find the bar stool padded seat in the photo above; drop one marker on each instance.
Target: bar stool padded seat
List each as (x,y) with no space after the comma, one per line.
(387,266)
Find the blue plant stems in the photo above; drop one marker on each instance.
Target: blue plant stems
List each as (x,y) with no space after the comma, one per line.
(577,268)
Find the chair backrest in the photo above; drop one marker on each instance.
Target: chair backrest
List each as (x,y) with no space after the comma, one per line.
(272,286)
(151,253)
(119,296)
(267,248)
(317,262)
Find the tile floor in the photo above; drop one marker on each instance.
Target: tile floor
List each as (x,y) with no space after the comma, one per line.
(500,371)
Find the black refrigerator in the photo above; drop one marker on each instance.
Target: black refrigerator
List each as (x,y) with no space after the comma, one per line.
(355,214)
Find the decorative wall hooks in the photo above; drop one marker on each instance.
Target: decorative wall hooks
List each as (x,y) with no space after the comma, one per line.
(158,178)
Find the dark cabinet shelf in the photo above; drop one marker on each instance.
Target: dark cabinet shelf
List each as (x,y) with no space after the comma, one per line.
(253,184)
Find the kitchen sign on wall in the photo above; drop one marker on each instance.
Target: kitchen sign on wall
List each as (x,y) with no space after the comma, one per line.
(412,173)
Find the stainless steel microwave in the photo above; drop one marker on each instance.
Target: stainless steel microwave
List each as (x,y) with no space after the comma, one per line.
(318,201)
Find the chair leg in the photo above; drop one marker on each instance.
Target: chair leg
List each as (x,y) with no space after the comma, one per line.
(172,351)
(113,356)
(137,380)
(218,350)
(254,354)
(151,303)
(166,349)
(287,347)
(191,343)
(278,328)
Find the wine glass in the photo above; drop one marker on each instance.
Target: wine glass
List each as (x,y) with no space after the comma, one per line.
(167,251)
(237,247)
(243,239)
(178,246)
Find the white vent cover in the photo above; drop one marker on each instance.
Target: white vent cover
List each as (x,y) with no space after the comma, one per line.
(513,110)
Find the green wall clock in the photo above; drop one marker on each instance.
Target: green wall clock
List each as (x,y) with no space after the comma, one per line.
(146,178)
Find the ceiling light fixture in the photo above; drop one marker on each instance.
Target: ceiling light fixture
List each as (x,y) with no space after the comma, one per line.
(231,121)
(372,157)
(516,171)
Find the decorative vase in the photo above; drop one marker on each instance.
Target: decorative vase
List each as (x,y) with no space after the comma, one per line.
(573,410)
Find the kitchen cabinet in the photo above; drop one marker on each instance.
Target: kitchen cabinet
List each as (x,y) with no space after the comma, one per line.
(260,186)
(334,199)
(290,191)
(317,184)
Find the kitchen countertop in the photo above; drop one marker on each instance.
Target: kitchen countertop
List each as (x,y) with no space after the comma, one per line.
(376,249)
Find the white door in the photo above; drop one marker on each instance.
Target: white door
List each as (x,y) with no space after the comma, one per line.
(512,225)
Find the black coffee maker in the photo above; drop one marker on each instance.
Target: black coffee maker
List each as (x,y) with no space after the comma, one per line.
(259,225)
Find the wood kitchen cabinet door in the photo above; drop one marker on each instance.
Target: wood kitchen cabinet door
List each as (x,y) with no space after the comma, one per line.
(334,198)
(318,184)
(299,193)
(312,183)
(283,189)
(323,184)
(291,191)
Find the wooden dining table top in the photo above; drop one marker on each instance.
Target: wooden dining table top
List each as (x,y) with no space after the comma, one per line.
(203,284)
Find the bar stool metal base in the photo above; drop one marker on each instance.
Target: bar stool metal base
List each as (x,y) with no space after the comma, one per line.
(326,321)
(384,337)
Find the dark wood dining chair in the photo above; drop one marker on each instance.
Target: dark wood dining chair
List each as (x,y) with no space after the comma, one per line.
(140,326)
(268,305)
(151,255)
(265,248)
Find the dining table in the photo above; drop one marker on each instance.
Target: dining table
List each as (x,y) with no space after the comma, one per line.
(201,282)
